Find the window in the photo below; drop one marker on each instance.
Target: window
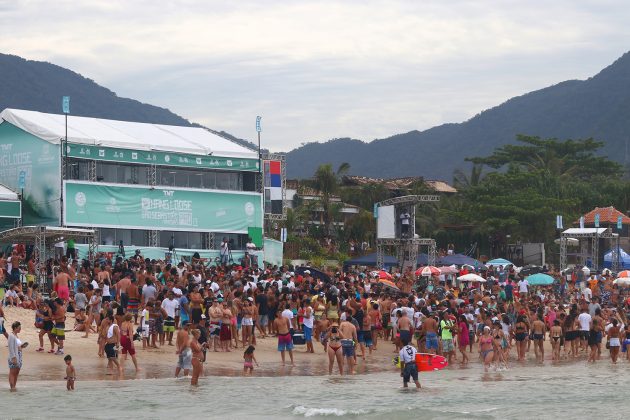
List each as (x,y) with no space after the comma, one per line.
(139,237)
(195,180)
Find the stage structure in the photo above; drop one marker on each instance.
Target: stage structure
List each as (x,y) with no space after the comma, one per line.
(396,228)
(150,186)
(44,238)
(589,246)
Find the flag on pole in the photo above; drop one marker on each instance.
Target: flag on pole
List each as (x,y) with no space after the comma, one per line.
(559,222)
(597,220)
(619,222)
(582,222)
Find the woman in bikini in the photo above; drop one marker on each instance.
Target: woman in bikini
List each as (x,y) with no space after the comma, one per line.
(571,333)
(500,344)
(197,356)
(521,331)
(613,340)
(555,334)
(486,347)
(334,337)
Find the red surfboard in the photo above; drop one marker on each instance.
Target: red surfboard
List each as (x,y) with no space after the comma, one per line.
(427,362)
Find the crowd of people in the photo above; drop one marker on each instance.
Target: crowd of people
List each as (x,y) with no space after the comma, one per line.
(196,308)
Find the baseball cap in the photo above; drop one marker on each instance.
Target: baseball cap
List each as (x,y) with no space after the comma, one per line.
(251,299)
(307,271)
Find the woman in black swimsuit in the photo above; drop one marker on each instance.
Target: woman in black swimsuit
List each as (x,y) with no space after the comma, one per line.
(521,330)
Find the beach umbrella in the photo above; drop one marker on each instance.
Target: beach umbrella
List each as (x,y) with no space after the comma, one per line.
(470,277)
(498,261)
(385,275)
(622,281)
(624,273)
(539,279)
(448,270)
(389,284)
(428,271)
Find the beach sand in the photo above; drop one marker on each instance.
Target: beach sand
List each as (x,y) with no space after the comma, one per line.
(161,362)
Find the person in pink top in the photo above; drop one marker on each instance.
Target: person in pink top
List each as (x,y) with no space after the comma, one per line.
(462,338)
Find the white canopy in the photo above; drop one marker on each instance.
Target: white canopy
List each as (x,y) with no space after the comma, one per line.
(125,135)
(7,193)
(577,231)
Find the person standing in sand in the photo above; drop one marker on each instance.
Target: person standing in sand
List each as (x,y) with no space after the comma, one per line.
(112,344)
(15,354)
(349,333)
(285,341)
(126,340)
(60,284)
(182,344)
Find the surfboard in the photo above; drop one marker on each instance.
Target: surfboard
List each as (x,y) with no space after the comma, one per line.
(426,362)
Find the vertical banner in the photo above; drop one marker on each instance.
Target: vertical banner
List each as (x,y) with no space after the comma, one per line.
(619,222)
(65,104)
(273,186)
(558,222)
(582,222)
(597,220)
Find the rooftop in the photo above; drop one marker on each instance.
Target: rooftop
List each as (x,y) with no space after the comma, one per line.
(126,135)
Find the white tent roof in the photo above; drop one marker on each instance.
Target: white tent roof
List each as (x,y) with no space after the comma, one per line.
(125,135)
(7,193)
(577,231)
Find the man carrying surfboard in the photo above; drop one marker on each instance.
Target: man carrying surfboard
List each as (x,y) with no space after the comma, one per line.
(408,367)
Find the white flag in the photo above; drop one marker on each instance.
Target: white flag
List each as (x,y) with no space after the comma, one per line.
(559,222)
(582,222)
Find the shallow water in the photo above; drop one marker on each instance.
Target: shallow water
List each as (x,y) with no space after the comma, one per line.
(560,391)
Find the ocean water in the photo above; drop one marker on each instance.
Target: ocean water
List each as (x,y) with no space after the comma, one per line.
(574,390)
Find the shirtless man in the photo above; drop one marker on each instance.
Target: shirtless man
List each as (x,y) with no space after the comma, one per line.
(60,284)
(59,318)
(430,327)
(405,329)
(538,333)
(182,343)
(216,313)
(121,289)
(349,332)
(133,300)
(285,341)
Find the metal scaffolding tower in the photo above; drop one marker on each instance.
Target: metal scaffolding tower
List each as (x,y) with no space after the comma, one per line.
(406,249)
(589,246)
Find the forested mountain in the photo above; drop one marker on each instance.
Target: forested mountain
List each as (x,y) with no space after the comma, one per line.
(598,107)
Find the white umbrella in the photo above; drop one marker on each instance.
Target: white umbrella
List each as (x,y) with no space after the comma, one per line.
(586,270)
(622,281)
(470,277)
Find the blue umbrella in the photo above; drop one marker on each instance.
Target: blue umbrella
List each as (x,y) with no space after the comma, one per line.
(499,261)
(539,279)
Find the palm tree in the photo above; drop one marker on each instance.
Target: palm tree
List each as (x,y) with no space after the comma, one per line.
(326,182)
(462,181)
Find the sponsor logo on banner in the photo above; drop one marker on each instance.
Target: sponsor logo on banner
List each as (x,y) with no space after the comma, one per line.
(134,155)
(167,158)
(112,207)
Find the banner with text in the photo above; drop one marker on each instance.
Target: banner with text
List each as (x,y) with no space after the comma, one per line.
(107,205)
(161,158)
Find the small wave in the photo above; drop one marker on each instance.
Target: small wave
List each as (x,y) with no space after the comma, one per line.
(337,412)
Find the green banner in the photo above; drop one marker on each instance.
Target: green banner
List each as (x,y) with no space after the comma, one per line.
(161,158)
(11,209)
(117,206)
(30,165)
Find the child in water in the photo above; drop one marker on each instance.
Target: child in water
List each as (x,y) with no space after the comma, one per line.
(250,359)
(70,373)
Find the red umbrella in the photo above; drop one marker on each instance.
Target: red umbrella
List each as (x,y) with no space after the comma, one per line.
(384,275)
(429,270)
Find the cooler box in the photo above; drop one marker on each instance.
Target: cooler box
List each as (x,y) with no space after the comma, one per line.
(298,339)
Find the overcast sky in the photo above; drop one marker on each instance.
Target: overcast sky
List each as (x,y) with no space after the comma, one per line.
(318,70)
